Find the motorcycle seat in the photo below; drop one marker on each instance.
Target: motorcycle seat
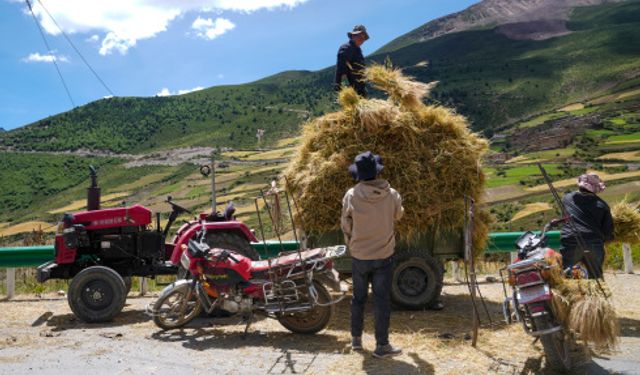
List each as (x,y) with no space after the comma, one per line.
(288,259)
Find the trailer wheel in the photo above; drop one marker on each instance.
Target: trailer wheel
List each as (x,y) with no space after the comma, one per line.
(232,241)
(97,294)
(417,280)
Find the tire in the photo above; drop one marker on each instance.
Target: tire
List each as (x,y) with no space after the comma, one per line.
(313,321)
(556,346)
(417,280)
(232,241)
(128,281)
(174,297)
(97,294)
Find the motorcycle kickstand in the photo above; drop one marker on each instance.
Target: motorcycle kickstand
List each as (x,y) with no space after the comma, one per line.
(249,320)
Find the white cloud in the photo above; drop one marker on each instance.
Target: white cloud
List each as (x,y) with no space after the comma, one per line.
(37,57)
(166,92)
(122,23)
(206,28)
(180,92)
(93,38)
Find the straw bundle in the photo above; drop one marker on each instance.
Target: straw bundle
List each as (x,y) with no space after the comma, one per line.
(430,156)
(581,306)
(626,222)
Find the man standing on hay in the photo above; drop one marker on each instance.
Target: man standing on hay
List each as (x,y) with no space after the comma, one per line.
(593,222)
(351,61)
(369,212)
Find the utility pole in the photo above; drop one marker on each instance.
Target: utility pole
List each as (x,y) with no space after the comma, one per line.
(213,181)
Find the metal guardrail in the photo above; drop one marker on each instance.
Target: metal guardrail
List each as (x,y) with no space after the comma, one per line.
(33,256)
(25,256)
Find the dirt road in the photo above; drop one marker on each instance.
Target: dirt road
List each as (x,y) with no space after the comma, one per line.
(41,336)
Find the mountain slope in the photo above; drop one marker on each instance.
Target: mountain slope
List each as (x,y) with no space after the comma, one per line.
(497,81)
(490,13)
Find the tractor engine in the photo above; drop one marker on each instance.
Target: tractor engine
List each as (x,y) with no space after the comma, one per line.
(116,237)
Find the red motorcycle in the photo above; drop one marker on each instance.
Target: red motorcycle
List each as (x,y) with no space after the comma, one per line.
(530,301)
(290,288)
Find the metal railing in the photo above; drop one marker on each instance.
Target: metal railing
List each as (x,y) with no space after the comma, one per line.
(33,256)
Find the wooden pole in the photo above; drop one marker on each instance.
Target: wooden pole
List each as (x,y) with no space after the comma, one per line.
(628,260)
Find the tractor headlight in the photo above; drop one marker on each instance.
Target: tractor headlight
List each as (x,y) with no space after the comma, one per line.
(185,261)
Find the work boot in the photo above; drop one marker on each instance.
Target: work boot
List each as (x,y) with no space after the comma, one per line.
(384,351)
(356,343)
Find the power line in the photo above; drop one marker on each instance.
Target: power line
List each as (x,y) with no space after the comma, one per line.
(75,48)
(54,59)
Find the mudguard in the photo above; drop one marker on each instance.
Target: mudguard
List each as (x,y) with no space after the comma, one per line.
(185,235)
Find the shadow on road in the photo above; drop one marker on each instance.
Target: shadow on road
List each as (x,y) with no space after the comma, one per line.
(69,321)
(629,327)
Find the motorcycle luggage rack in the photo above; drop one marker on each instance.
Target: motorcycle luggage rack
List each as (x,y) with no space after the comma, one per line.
(302,269)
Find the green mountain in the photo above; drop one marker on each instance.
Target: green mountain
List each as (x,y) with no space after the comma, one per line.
(494,72)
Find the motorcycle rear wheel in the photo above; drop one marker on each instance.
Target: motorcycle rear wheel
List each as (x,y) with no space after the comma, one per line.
(313,321)
(176,307)
(557,346)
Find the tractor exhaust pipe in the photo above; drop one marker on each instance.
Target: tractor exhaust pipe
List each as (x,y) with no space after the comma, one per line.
(93,191)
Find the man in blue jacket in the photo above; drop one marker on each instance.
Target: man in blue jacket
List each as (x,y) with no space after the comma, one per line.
(351,62)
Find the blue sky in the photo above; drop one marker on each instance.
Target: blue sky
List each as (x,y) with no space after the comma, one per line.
(150,47)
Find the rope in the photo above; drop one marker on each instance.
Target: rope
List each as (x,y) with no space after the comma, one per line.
(35,19)
(75,48)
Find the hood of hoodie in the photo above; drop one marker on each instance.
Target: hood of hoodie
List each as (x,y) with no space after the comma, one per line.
(372,191)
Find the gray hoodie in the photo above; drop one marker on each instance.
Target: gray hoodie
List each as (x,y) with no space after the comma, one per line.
(369,212)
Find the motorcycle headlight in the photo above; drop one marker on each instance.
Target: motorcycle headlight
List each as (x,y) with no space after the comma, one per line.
(185,261)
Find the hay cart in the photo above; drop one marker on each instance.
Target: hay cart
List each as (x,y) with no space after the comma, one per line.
(419,270)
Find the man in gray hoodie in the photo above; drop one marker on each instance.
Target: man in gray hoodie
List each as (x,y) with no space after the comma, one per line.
(369,212)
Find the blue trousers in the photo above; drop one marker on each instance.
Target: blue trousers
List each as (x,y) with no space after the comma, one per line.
(379,273)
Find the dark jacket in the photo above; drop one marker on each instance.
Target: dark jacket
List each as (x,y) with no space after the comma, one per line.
(591,215)
(350,63)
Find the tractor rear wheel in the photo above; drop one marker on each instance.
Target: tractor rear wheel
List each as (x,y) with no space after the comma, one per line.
(97,294)
(232,241)
(417,280)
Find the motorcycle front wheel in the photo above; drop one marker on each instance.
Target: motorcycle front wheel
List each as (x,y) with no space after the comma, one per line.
(177,306)
(312,321)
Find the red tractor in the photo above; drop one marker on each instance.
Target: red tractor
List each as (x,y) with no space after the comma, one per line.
(101,249)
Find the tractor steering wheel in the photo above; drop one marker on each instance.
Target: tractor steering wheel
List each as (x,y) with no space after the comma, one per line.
(176,207)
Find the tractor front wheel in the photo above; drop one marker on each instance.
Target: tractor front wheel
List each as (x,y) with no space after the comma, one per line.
(97,294)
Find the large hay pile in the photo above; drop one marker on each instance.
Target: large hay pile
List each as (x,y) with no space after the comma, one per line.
(430,156)
(626,222)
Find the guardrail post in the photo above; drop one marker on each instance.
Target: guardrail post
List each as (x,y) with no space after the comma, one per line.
(456,271)
(628,260)
(143,286)
(11,282)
